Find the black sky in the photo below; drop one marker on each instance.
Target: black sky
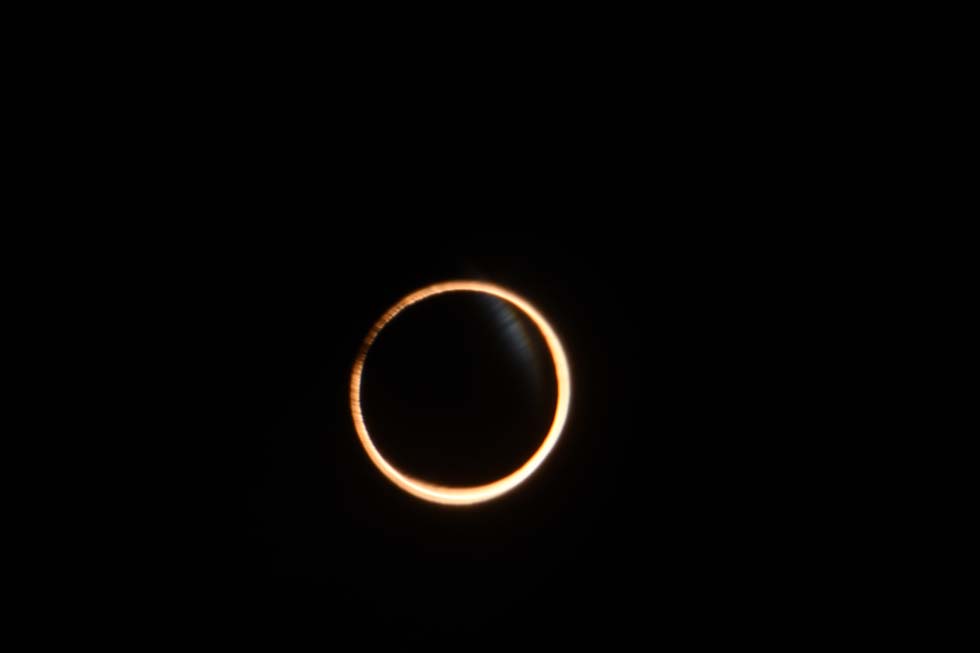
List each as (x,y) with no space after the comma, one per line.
(677,215)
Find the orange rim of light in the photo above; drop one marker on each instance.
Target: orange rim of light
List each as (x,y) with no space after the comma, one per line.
(477,493)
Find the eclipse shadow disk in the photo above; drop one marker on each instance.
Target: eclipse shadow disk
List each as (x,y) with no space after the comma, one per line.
(478,493)
(459,389)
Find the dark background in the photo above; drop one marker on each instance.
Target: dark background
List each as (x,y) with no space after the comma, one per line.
(681,215)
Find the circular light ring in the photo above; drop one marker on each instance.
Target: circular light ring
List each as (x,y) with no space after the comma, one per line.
(477,493)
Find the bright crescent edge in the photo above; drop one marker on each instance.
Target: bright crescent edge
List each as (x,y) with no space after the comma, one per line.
(459,496)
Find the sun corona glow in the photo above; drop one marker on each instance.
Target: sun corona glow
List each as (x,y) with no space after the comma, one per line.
(477,493)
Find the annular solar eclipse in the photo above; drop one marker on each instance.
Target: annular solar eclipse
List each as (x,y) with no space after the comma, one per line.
(477,493)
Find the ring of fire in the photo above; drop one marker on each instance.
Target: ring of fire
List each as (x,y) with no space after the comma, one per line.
(477,493)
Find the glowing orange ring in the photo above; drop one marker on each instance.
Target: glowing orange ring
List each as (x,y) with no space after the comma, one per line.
(477,493)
